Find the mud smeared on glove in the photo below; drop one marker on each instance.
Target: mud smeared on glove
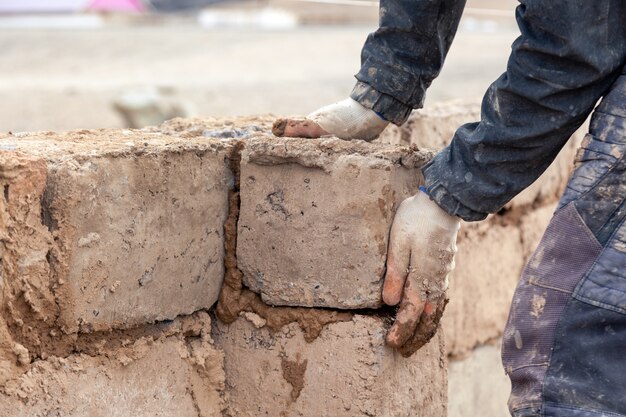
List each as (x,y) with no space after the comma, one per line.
(426,330)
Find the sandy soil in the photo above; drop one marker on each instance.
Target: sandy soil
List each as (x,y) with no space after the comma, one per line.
(68,79)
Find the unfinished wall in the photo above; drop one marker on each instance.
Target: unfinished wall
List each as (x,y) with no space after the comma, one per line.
(117,244)
(115,247)
(112,248)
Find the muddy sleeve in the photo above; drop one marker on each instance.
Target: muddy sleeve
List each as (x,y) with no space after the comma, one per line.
(400,59)
(568,55)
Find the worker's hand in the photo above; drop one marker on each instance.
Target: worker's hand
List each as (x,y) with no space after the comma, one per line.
(421,253)
(346,119)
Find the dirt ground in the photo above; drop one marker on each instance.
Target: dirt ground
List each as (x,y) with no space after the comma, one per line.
(59,79)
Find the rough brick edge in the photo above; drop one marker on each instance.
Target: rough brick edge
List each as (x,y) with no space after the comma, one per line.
(29,308)
(236,299)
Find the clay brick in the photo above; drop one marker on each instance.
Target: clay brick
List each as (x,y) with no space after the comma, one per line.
(315,217)
(477,384)
(137,220)
(24,245)
(488,265)
(346,372)
(162,378)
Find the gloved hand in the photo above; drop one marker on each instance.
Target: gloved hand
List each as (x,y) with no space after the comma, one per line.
(347,119)
(421,253)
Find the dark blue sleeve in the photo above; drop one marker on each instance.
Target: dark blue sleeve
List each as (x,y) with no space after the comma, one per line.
(400,60)
(568,55)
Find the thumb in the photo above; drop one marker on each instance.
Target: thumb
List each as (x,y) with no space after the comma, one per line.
(398,258)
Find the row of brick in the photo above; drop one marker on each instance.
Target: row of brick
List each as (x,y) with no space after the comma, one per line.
(131,231)
(137,222)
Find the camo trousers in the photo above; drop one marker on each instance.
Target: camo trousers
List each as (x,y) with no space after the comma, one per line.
(564,344)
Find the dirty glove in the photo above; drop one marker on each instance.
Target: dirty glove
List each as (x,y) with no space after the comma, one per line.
(347,119)
(421,253)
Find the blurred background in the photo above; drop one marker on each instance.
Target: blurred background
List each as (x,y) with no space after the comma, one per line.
(73,64)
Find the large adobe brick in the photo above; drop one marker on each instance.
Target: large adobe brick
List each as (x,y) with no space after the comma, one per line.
(346,372)
(315,217)
(488,265)
(477,384)
(137,219)
(166,377)
(24,244)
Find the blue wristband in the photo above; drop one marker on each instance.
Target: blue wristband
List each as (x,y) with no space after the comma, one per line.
(424,190)
(380,115)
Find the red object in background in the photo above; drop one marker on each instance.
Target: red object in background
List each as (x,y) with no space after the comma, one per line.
(116,5)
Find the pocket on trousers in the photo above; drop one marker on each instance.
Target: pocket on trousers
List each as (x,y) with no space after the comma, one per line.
(605,284)
(566,251)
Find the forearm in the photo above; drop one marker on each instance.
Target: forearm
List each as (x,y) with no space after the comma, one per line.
(567,57)
(400,60)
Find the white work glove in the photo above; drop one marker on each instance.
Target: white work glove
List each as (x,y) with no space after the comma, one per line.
(421,253)
(347,119)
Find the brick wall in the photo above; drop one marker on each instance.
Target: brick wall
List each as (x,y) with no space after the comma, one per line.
(120,247)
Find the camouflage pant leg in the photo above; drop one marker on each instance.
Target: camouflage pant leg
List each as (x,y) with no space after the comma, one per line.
(564,344)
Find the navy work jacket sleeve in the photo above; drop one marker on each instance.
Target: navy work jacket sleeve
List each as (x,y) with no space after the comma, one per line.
(568,55)
(400,60)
